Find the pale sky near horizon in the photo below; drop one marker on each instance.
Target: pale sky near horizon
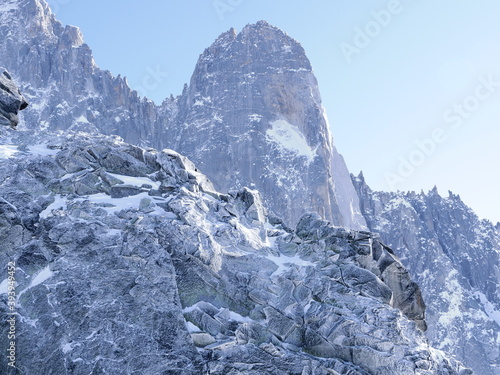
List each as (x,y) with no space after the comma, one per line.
(411,87)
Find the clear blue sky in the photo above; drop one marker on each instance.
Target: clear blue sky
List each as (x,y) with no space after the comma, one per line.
(415,103)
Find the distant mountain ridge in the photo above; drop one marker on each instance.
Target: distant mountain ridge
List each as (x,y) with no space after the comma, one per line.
(455,258)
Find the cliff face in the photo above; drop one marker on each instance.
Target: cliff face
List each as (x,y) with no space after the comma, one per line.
(67,91)
(252,115)
(455,258)
(11,100)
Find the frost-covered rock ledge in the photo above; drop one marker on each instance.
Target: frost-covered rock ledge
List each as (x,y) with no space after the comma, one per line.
(129,262)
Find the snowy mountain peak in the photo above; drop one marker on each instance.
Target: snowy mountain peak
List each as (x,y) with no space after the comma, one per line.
(221,42)
(252,116)
(265,30)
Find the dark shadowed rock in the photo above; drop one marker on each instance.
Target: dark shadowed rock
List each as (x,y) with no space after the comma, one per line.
(11,100)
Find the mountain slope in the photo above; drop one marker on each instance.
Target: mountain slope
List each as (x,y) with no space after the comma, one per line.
(129,262)
(455,258)
(253,98)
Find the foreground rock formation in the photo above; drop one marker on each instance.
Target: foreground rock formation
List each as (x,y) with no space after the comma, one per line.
(128,260)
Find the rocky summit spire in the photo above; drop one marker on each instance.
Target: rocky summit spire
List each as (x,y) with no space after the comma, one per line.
(253,116)
(57,74)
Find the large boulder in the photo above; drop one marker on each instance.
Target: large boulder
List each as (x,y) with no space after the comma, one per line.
(11,100)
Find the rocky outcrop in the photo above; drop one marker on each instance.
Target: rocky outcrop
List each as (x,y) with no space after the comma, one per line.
(454,257)
(11,100)
(252,116)
(375,257)
(182,279)
(67,91)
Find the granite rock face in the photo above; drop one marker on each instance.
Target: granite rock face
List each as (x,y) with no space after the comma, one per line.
(67,91)
(252,109)
(180,279)
(252,116)
(270,120)
(455,258)
(11,100)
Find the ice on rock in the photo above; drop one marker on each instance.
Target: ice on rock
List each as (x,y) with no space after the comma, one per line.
(289,138)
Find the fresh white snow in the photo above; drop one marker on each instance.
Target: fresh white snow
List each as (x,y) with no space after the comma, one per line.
(4,286)
(289,137)
(8,151)
(489,308)
(238,318)
(118,204)
(285,262)
(234,316)
(42,150)
(43,275)
(136,181)
(59,203)
(110,205)
(82,119)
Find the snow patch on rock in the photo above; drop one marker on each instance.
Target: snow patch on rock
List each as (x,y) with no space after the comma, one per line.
(288,137)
